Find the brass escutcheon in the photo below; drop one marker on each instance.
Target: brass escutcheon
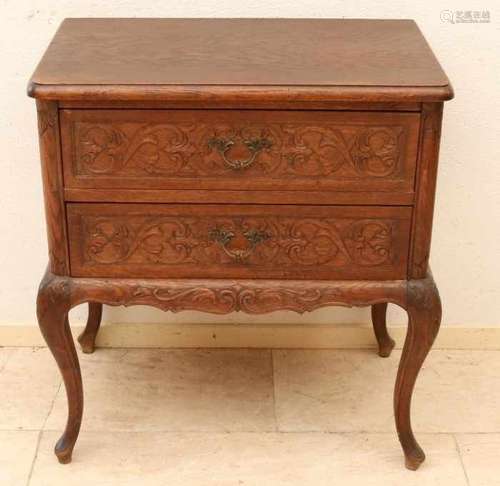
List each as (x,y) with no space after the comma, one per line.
(224,238)
(222,146)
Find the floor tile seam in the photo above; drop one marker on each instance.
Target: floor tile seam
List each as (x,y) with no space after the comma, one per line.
(52,405)
(35,456)
(461,459)
(4,365)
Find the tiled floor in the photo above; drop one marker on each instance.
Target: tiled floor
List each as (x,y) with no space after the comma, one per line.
(249,417)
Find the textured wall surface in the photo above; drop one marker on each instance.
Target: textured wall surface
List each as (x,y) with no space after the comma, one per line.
(465,256)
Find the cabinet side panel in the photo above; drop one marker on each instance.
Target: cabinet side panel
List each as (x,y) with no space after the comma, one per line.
(48,132)
(425,189)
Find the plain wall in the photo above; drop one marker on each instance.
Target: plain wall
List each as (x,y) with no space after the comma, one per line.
(465,251)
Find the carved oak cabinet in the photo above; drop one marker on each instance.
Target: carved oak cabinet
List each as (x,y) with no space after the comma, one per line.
(239,165)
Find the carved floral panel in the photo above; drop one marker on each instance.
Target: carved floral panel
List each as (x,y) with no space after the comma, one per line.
(208,245)
(166,146)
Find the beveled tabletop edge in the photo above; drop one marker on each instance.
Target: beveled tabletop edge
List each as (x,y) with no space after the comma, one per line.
(237,93)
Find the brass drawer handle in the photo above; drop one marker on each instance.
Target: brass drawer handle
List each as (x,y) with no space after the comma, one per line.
(224,238)
(254,146)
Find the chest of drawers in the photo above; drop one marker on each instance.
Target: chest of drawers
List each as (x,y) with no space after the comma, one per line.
(239,165)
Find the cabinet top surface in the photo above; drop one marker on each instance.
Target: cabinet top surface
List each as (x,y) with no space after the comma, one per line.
(238,52)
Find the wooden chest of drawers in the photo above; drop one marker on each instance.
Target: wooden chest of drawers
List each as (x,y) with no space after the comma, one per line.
(239,165)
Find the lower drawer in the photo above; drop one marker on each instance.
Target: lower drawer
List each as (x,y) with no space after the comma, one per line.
(238,241)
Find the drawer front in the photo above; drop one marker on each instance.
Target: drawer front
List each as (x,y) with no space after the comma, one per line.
(243,241)
(240,150)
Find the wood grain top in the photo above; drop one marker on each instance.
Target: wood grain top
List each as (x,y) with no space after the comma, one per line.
(322,58)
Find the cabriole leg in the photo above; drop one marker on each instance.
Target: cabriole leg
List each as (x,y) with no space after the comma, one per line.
(53,305)
(385,342)
(424,318)
(88,336)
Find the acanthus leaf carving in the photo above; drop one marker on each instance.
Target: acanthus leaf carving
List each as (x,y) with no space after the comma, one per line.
(225,296)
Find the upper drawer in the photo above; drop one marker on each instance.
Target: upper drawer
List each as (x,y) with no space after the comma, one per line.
(240,149)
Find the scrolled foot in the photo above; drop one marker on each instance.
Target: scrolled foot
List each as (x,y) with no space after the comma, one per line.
(63,451)
(385,349)
(88,336)
(86,345)
(414,459)
(385,342)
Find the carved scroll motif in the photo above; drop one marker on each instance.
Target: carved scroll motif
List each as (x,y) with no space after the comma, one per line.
(187,150)
(288,241)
